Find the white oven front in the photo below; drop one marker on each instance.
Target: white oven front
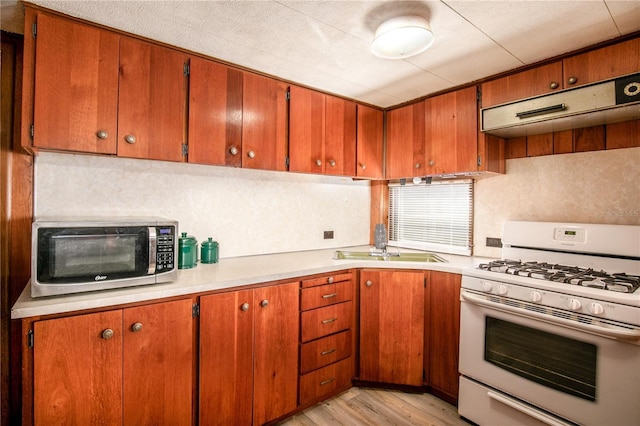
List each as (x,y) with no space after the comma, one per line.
(519,369)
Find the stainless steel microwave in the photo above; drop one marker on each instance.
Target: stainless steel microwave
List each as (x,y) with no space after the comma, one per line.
(79,255)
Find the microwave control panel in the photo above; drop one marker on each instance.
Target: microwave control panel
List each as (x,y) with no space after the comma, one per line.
(165,253)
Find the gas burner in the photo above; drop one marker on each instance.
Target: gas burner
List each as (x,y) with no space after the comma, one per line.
(574,275)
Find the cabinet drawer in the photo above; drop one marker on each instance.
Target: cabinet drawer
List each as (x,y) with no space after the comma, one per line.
(321,352)
(329,279)
(320,383)
(324,321)
(324,295)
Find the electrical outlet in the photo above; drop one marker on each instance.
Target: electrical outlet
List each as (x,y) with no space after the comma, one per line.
(494,242)
(328,235)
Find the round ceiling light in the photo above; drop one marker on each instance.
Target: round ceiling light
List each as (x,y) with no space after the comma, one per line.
(402,37)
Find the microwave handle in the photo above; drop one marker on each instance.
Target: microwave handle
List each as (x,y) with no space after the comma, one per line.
(153,247)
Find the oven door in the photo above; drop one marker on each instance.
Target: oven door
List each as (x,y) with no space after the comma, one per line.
(576,375)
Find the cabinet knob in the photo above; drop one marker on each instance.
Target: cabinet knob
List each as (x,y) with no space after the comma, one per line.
(107,334)
(233,150)
(264,303)
(130,139)
(318,162)
(418,165)
(102,134)
(553,85)
(332,163)
(330,280)
(432,163)
(363,166)
(369,283)
(572,80)
(251,154)
(136,327)
(244,307)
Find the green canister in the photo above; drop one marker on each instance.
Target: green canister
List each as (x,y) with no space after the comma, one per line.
(209,251)
(187,251)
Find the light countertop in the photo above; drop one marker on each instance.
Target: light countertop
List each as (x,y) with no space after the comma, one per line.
(229,273)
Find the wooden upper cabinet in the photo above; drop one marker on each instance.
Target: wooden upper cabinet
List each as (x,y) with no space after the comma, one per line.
(264,123)
(405,142)
(451,132)
(602,64)
(322,135)
(521,85)
(152,108)
(369,145)
(215,113)
(75,101)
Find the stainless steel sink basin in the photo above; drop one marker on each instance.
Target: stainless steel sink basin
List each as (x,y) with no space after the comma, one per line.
(391,257)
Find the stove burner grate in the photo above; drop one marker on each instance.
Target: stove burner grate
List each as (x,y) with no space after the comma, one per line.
(573,275)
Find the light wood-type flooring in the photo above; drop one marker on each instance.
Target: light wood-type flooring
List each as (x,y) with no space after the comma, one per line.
(366,406)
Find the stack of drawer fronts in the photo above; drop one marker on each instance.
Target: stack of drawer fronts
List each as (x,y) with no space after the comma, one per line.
(326,336)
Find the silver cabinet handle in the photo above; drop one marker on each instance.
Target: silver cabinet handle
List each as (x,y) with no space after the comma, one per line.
(136,327)
(553,85)
(318,162)
(326,382)
(251,154)
(107,334)
(332,163)
(264,303)
(369,283)
(329,296)
(330,320)
(330,280)
(572,80)
(327,352)
(130,139)
(244,307)
(233,150)
(102,134)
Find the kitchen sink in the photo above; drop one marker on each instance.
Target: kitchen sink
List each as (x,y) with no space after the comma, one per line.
(390,257)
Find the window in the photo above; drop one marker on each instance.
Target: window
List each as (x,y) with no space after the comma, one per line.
(434,216)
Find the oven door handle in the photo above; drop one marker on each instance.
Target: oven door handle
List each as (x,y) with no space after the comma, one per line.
(614,333)
(516,405)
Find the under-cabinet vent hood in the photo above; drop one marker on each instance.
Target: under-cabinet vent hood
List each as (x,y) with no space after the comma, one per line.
(605,102)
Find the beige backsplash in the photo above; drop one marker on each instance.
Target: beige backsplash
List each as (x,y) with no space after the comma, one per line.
(589,187)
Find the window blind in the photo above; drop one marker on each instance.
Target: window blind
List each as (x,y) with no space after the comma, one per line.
(437,216)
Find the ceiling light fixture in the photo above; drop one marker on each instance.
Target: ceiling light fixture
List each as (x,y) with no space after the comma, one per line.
(402,37)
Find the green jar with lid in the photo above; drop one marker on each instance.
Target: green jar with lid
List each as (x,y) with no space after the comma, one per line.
(209,251)
(187,251)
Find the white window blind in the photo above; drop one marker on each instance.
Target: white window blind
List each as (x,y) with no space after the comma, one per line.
(437,216)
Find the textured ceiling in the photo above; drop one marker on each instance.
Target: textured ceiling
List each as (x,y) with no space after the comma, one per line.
(325,44)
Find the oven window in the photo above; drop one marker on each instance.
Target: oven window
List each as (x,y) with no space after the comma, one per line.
(554,361)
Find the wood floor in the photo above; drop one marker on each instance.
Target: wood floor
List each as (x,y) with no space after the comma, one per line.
(366,406)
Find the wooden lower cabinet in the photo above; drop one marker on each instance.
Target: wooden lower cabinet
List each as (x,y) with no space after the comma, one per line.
(124,366)
(392,326)
(442,334)
(249,355)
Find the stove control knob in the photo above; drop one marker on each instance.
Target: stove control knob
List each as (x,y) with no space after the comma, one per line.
(486,286)
(536,296)
(574,304)
(596,308)
(502,289)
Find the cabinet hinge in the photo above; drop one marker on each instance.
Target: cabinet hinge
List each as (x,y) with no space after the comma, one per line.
(31,131)
(288,95)
(34,30)
(479,95)
(186,70)
(185,149)
(425,282)
(286,162)
(479,161)
(195,310)
(30,338)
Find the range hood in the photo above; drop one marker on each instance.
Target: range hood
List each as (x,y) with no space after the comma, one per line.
(606,102)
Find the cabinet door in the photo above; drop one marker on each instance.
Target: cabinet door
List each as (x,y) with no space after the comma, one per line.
(275,368)
(152,108)
(76,87)
(158,363)
(391,326)
(215,113)
(525,84)
(340,137)
(306,126)
(226,358)
(443,332)
(604,63)
(78,370)
(264,123)
(451,132)
(405,142)
(369,155)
